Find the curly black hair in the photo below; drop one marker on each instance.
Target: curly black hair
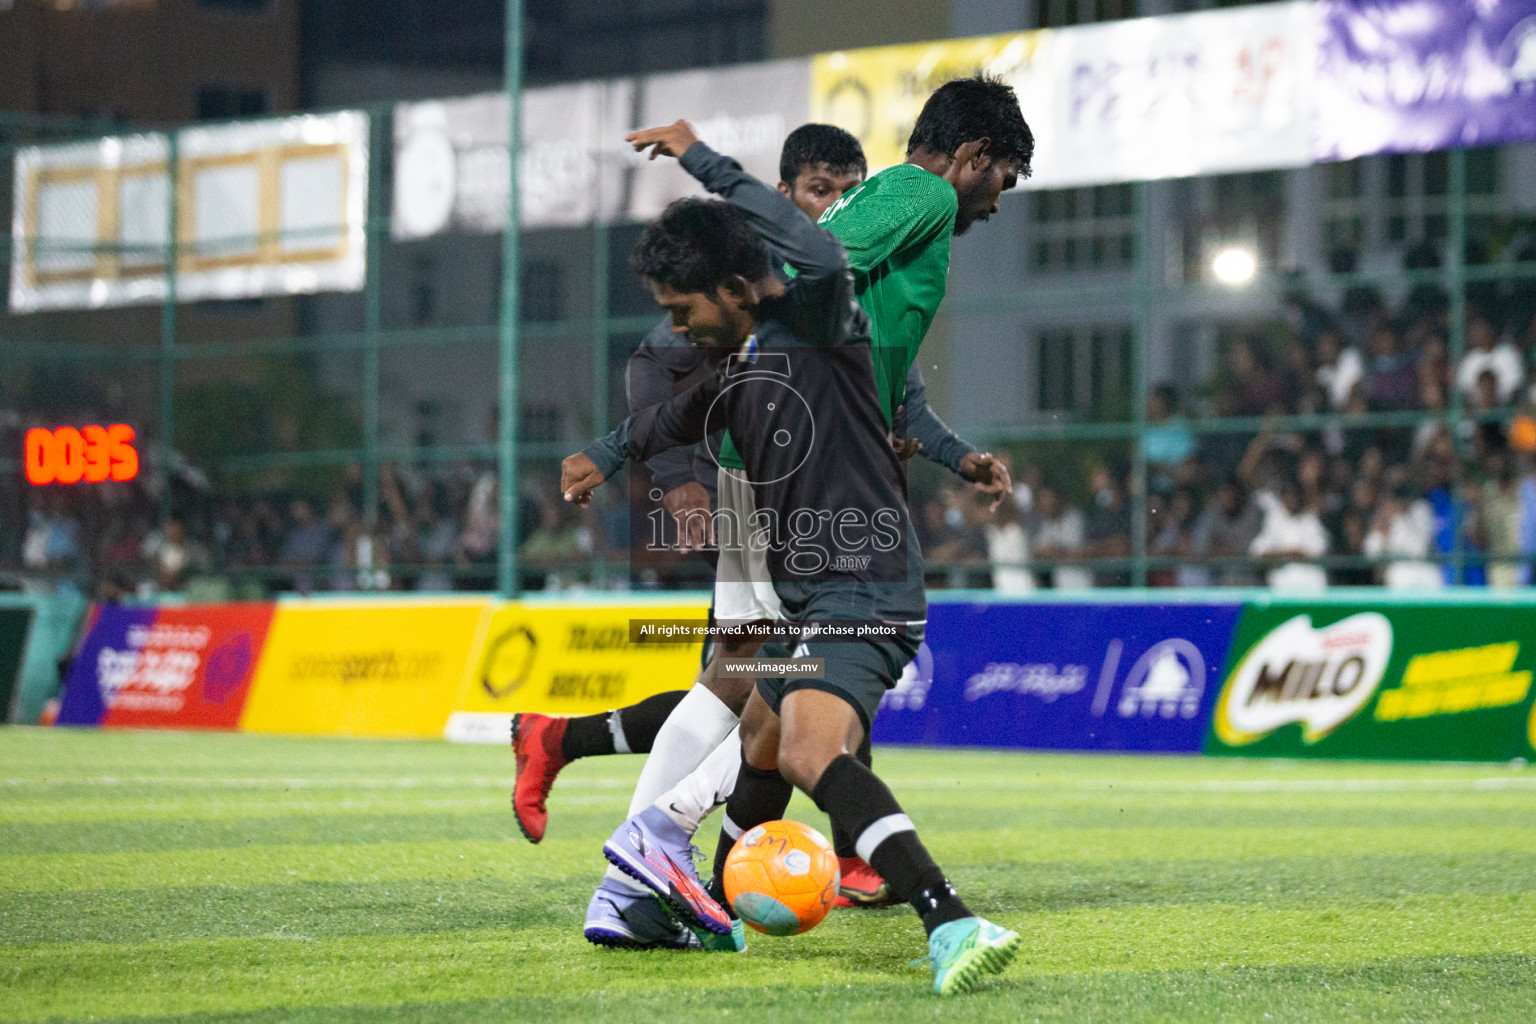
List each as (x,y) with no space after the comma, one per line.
(812,145)
(967,109)
(696,244)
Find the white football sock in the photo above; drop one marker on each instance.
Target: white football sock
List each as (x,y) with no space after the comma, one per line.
(690,734)
(708,786)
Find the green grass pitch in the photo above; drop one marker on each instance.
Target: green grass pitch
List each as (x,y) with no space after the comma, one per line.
(244,878)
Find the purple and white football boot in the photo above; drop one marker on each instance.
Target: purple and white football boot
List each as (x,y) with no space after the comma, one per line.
(654,850)
(621,918)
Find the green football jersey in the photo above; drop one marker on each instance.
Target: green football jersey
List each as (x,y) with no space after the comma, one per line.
(896,229)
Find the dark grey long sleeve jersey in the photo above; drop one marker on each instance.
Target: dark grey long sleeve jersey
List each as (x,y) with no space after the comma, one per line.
(660,362)
(838,504)
(940,443)
(657,365)
(664,358)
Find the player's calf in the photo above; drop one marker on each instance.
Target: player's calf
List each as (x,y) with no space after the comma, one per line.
(962,947)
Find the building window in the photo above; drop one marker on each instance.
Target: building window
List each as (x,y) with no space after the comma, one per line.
(1343,211)
(235,6)
(423,291)
(1061,13)
(1057,376)
(1418,189)
(221,101)
(1246,210)
(1104,392)
(542,293)
(1079,229)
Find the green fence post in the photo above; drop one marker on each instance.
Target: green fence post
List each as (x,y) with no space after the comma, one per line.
(506,561)
(1143,300)
(1456,285)
(373,316)
(601,340)
(167,443)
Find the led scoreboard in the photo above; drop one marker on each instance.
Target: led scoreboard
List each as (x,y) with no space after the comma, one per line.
(91,454)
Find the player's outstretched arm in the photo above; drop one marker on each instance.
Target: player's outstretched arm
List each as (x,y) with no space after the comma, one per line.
(942,445)
(812,251)
(939,443)
(642,436)
(678,421)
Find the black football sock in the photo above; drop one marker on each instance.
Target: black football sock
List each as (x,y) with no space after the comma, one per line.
(759,796)
(854,796)
(842,843)
(639,723)
(587,736)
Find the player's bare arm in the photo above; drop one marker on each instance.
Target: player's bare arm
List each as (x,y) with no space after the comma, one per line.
(689,507)
(579,477)
(672,140)
(989,475)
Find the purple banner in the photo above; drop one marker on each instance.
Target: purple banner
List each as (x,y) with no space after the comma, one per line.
(1062,677)
(96,671)
(1398,76)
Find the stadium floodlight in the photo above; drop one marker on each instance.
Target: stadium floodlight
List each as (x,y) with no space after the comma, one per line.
(1234,265)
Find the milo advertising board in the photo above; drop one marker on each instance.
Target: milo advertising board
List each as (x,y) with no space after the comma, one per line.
(1449,682)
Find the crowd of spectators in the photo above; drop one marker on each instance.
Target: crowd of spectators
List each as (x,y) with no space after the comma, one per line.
(439,528)
(436,528)
(1426,480)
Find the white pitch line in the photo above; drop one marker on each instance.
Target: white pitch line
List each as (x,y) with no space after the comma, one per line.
(1522,782)
(1239,785)
(193,782)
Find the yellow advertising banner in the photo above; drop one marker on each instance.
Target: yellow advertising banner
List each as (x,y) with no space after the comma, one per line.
(877,93)
(383,668)
(568,660)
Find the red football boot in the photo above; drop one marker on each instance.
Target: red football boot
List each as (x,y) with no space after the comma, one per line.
(859,886)
(536,741)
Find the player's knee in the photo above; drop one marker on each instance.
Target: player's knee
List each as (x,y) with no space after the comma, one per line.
(732,691)
(759,739)
(740,647)
(802,764)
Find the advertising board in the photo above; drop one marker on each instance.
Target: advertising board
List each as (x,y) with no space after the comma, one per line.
(272,207)
(567,659)
(1234,87)
(877,92)
(1450,682)
(383,668)
(169,668)
(1398,77)
(1062,676)
(451,159)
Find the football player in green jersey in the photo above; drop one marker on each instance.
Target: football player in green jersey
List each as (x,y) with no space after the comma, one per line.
(970,144)
(818,166)
(699,269)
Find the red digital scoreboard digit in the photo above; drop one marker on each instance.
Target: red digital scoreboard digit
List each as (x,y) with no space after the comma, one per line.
(90,454)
